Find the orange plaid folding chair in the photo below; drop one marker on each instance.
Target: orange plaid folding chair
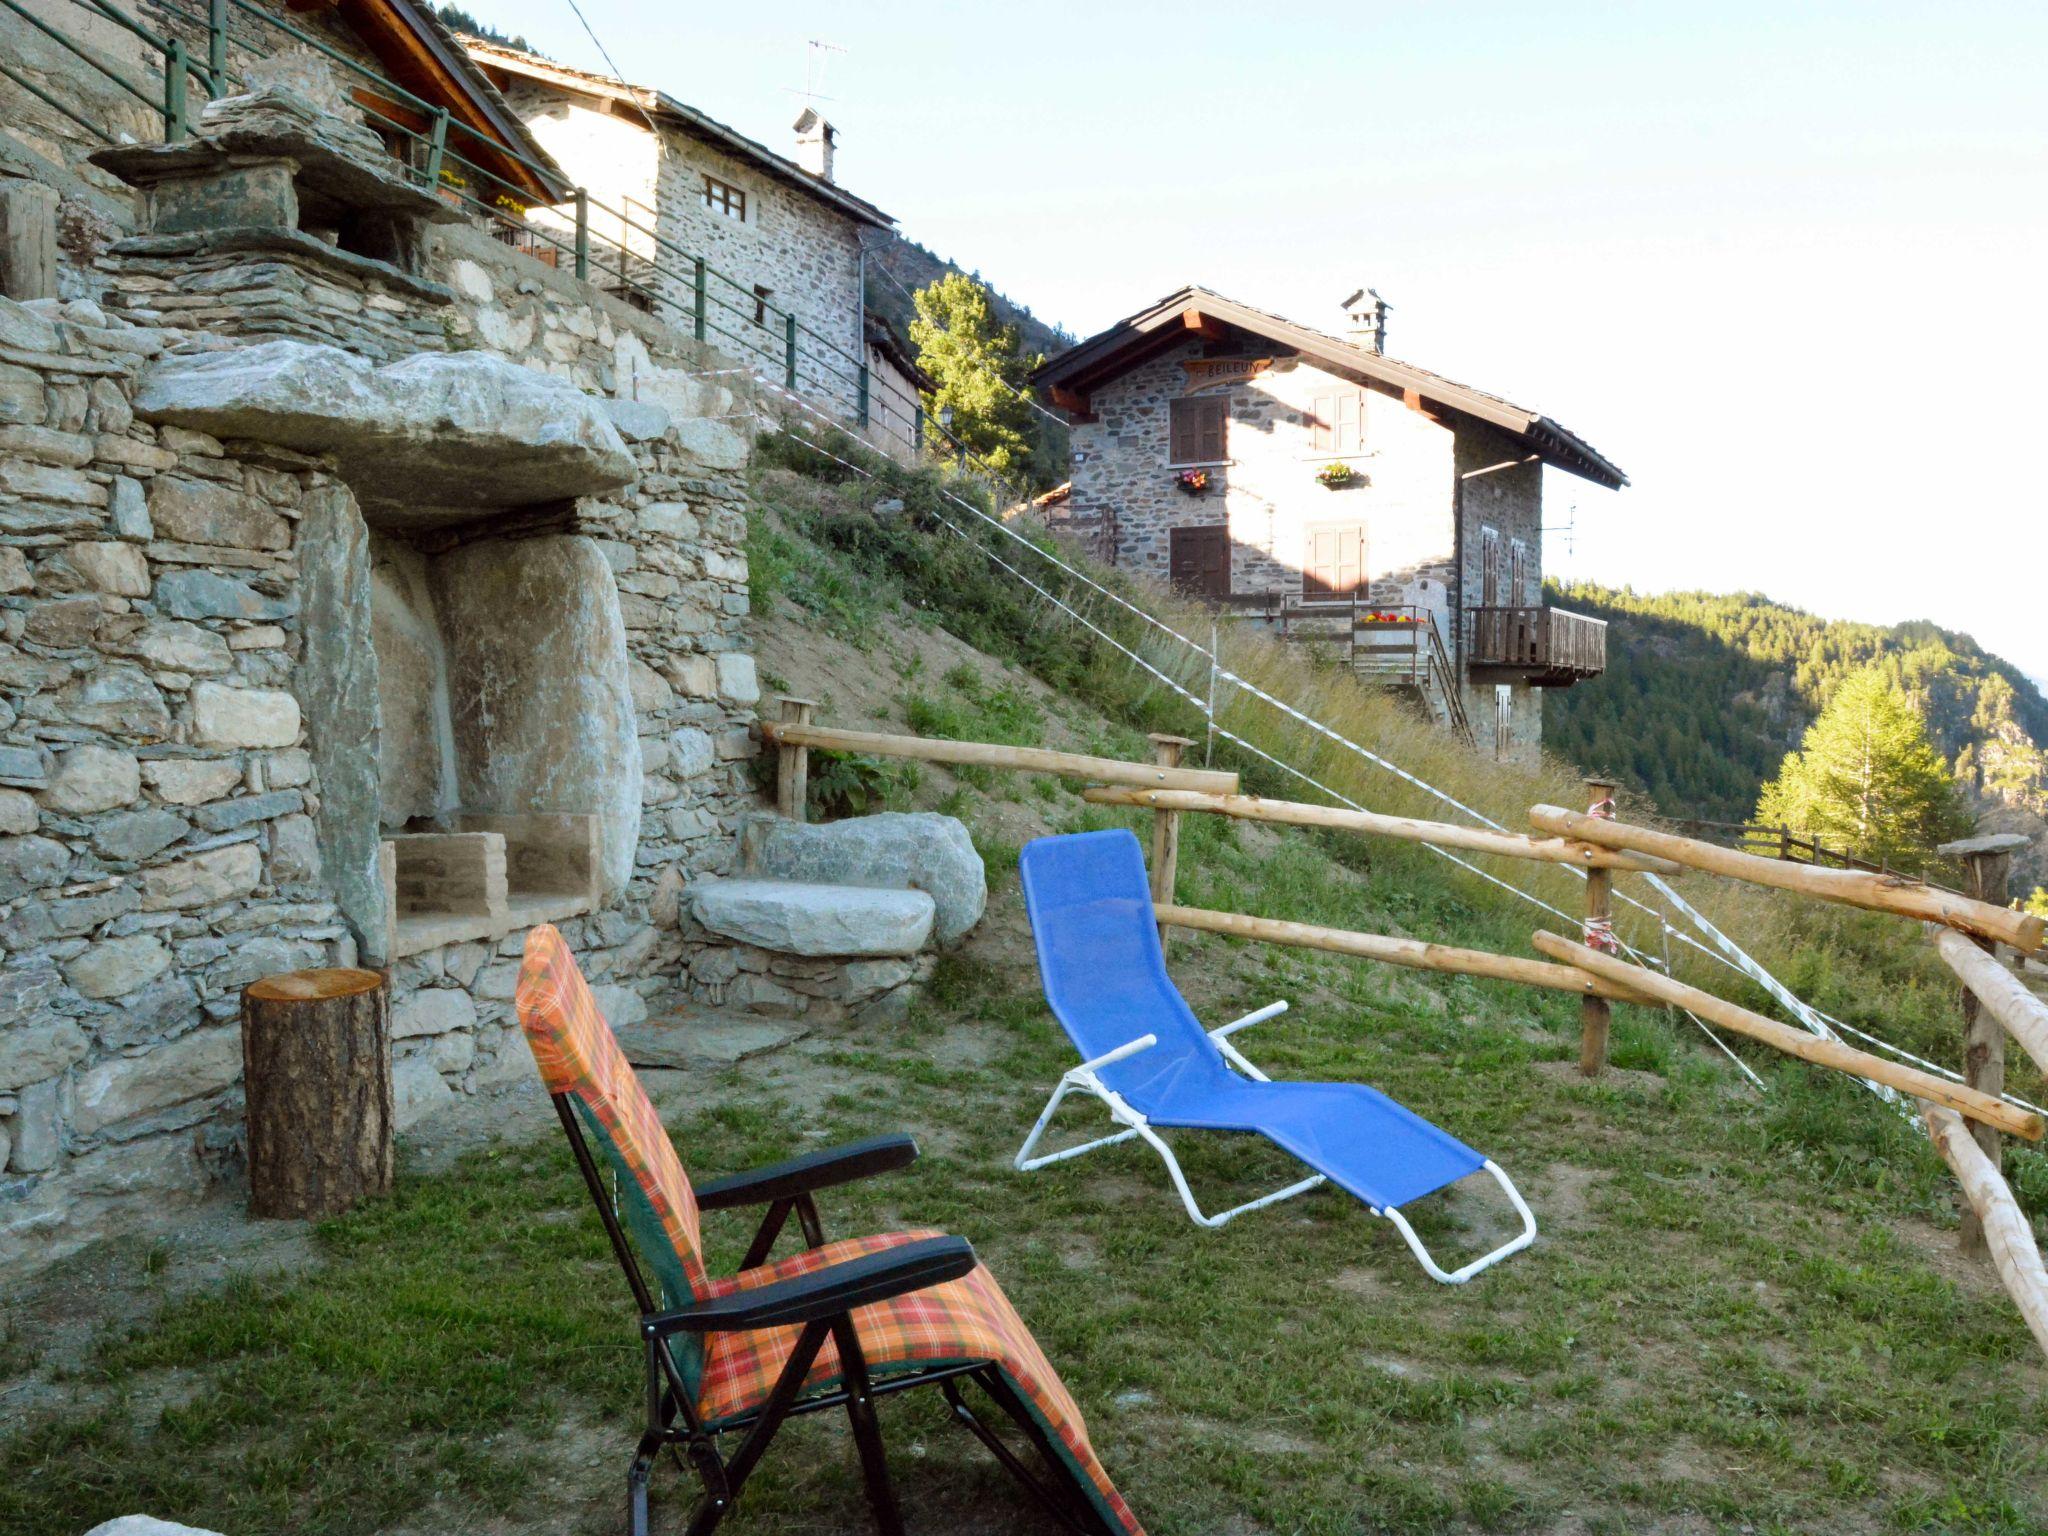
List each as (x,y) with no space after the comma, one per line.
(836,1325)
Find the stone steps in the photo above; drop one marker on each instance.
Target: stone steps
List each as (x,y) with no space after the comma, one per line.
(794,917)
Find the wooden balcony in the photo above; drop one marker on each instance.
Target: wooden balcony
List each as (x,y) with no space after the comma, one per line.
(1545,647)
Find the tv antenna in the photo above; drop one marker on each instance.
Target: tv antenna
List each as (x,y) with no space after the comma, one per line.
(1569,528)
(817,55)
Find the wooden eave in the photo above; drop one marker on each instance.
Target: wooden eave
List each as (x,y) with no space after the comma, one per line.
(413,53)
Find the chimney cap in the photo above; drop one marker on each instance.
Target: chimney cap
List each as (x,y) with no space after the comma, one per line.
(812,120)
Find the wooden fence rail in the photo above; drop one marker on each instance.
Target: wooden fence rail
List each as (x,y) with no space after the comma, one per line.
(932,749)
(1513,845)
(2014,1254)
(1796,1042)
(1416,954)
(1855,888)
(2003,995)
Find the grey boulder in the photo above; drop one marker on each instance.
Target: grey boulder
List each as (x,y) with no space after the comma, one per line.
(920,850)
(795,919)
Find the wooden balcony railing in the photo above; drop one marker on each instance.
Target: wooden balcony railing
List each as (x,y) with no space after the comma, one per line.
(1550,647)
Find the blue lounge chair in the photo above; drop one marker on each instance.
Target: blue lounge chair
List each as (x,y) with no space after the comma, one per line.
(1153,1066)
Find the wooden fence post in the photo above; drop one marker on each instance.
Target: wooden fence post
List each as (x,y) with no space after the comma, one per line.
(793,764)
(1596,1013)
(1166,751)
(1987,862)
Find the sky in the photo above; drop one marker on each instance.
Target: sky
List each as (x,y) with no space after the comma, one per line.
(1783,263)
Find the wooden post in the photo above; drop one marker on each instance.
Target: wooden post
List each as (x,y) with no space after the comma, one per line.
(1987,862)
(793,764)
(1596,1013)
(1166,751)
(316,1067)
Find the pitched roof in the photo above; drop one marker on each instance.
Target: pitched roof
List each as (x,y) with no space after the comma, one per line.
(1115,351)
(416,51)
(883,338)
(665,109)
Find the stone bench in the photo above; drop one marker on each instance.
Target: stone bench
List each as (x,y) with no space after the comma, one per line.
(799,918)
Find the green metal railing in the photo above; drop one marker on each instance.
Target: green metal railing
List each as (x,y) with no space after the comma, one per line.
(675,284)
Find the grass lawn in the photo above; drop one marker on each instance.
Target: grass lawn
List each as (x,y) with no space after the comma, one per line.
(1734,1319)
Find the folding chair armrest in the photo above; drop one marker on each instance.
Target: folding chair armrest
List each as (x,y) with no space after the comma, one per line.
(823,1293)
(1257,1016)
(812,1170)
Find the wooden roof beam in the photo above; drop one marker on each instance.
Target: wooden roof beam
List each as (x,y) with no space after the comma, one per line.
(1073,402)
(1204,326)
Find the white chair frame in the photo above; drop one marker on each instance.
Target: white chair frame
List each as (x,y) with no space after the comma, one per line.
(1086,1078)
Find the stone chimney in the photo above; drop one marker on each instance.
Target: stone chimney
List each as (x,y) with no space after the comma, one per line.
(1365,319)
(816,139)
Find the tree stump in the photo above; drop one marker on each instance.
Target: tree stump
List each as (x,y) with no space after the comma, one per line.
(316,1062)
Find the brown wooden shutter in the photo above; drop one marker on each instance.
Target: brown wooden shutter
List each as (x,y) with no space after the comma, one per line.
(1198,560)
(1180,447)
(1214,413)
(1489,569)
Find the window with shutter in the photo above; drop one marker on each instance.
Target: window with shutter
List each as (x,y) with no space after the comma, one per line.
(1337,423)
(1195,429)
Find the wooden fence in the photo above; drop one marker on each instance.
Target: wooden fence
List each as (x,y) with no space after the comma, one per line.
(1964,1119)
(1779,843)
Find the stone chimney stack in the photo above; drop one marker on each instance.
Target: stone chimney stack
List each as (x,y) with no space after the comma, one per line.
(1365,319)
(816,140)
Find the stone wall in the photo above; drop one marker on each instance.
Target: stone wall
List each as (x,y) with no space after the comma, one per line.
(159,847)
(1264,489)
(805,253)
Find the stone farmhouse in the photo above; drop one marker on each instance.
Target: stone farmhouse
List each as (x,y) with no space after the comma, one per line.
(781,238)
(370,589)
(1311,482)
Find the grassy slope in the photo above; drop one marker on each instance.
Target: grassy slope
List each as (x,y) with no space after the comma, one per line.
(1744,1313)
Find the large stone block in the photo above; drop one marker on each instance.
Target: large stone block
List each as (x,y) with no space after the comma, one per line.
(193,781)
(29,864)
(216,875)
(145,1525)
(31,1055)
(432,1011)
(416,1092)
(118,698)
(126,1087)
(207,512)
(88,779)
(115,967)
(197,594)
(713,444)
(543,716)
(224,716)
(919,850)
(435,437)
(795,919)
(134,835)
(337,683)
(119,569)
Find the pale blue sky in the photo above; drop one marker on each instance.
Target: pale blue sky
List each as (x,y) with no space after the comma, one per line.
(1783,263)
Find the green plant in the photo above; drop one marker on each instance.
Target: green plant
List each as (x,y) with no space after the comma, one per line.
(1335,474)
(850,784)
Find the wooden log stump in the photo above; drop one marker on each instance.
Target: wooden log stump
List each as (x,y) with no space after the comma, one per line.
(316,1062)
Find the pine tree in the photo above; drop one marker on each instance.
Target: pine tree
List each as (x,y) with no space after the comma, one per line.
(979,368)
(1867,780)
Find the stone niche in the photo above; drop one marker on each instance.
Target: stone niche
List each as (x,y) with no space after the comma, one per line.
(464,677)
(508,772)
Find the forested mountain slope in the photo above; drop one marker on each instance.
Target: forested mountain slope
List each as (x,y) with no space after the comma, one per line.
(1705,693)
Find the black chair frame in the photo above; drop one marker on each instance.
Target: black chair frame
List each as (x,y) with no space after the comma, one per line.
(823,1303)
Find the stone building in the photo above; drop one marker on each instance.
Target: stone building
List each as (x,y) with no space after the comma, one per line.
(1312,482)
(780,237)
(370,590)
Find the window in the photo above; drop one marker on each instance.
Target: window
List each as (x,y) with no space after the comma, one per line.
(1198,560)
(725,200)
(761,297)
(1337,423)
(1336,561)
(1195,429)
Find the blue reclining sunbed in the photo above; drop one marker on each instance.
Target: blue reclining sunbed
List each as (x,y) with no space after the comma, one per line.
(1154,1066)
